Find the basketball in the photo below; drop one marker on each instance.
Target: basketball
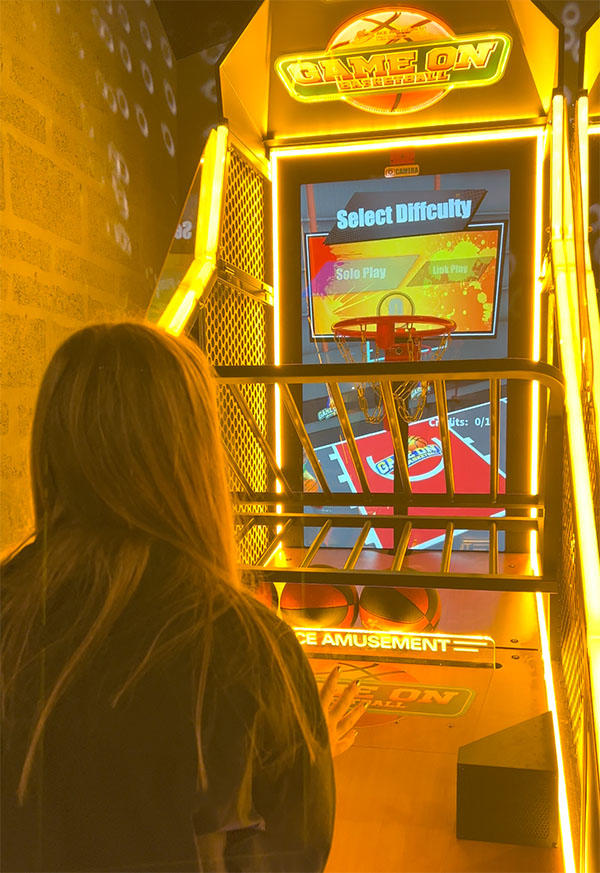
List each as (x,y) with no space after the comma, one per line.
(266,593)
(319,605)
(416,442)
(391,26)
(309,481)
(403,609)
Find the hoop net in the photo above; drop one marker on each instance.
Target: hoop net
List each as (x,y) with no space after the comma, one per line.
(399,338)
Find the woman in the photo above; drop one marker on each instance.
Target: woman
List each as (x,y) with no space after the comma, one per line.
(156,717)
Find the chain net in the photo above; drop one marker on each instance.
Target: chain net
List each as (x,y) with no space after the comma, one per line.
(410,395)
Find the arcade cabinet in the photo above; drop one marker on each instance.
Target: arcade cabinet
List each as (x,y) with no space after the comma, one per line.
(375,256)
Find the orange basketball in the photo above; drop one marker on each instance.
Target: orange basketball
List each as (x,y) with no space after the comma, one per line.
(319,605)
(266,593)
(404,609)
(391,26)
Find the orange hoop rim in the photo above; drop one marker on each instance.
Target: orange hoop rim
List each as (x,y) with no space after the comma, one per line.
(405,326)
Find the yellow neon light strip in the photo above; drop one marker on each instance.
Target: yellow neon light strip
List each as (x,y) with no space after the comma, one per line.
(536,340)
(276,319)
(563,260)
(563,803)
(537,245)
(437,140)
(177,319)
(208,230)
(556,174)
(382,145)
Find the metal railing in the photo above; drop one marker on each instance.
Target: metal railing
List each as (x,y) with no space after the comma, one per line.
(297,519)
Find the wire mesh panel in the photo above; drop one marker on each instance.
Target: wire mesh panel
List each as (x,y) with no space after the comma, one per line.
(243,232)
(590,425)
(235,329)
(573,639)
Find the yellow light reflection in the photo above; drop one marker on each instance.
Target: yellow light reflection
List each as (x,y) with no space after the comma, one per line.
(563,803)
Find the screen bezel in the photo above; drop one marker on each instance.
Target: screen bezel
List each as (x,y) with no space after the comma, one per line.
(516,155)
(526,240)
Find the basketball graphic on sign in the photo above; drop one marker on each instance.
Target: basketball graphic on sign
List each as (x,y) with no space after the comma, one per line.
(391,26)
(416,442)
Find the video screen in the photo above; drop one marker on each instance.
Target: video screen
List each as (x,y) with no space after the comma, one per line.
(436,245)
(413,275)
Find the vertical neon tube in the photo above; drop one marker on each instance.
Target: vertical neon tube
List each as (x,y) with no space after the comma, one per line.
(563,803)
(536,338)
(276,318)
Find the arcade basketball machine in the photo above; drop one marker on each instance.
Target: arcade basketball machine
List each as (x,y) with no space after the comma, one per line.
(375,255)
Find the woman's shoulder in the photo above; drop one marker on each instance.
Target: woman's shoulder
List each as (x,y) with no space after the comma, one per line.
(19,556)
(19,563)
(247,634)
(243,618)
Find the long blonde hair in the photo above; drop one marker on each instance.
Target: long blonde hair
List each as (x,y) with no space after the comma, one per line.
(126,453)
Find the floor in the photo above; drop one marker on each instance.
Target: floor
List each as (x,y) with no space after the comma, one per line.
(396,787)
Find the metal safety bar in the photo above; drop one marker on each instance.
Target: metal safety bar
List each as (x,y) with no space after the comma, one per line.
(482,574)
(514,512)
(385,375)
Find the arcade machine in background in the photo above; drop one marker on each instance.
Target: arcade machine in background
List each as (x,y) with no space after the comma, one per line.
(406,511)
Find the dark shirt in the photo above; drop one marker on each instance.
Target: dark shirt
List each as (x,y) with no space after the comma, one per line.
(115,788)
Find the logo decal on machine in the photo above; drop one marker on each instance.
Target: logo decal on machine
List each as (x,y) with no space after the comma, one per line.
(415,699)
(394,60)
(419,450)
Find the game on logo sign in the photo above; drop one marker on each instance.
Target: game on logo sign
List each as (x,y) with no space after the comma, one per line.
(399,682)
(394,60)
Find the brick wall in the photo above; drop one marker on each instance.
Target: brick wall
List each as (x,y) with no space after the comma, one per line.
(88,192)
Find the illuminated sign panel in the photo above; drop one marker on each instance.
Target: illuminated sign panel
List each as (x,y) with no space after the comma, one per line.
(456,63)
(430,700)
(425,647)
(377,57)
(402,673)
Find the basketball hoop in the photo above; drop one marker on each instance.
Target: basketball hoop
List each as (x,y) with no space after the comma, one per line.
(399,338)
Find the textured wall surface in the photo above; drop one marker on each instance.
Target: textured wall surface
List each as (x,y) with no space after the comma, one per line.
(88,192)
